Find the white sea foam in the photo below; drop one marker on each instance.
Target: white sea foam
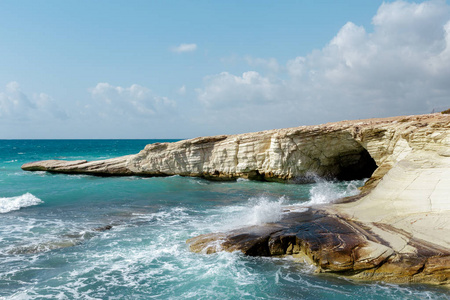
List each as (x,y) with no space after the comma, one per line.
(242,179)
(8,204)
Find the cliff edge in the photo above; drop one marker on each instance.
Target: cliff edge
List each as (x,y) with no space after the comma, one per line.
(396,230)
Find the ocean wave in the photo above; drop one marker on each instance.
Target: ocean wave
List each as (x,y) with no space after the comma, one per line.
(10,161)
(242,179)
(8,204)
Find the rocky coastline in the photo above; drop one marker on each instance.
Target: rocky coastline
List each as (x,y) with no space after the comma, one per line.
(396,230)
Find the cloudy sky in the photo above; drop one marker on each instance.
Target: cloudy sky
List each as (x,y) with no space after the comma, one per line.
(181,69)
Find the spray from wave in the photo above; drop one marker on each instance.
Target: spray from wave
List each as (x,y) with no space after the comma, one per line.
(259,210)
(323,191)
(8,204)
(264,210)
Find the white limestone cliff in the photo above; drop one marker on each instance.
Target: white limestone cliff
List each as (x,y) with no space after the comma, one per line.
(405,203)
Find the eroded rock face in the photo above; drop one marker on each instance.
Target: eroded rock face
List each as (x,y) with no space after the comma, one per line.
(343,150)
(270,155)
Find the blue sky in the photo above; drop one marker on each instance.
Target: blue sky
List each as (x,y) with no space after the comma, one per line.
(181,69)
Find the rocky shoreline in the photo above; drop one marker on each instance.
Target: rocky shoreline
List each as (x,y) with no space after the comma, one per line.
(336,245)
(397,230)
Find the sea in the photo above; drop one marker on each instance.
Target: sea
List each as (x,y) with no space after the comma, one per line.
(86,237)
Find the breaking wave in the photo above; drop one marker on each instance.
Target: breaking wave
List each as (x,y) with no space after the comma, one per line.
(329,191)
(257,211)
(263,210)
(8,204)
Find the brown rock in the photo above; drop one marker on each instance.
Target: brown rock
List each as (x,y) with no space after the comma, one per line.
(334,245)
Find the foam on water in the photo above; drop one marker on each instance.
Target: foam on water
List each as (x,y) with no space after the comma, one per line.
(11,161)
(149,260)
(242,179)
(28,236)
(8,204)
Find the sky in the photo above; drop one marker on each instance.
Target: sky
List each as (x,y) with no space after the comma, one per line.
(181,69)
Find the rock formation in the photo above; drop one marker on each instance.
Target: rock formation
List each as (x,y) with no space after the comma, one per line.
(397,229)
(338,245)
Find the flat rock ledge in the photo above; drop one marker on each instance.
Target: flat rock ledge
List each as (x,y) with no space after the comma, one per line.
(397,230)
(108,167)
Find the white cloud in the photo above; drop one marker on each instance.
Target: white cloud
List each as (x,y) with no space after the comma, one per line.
(16,105)
(184,48)
(134,101)
(402,67)
(111,112)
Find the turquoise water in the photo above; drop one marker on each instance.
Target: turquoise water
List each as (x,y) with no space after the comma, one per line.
(50,248)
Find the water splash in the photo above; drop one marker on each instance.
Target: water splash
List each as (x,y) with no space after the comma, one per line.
(264,210)
(323,191)
(257,211)
(8,204)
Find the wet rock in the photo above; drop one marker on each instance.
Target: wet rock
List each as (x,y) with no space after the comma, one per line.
(103,228)
(334,245)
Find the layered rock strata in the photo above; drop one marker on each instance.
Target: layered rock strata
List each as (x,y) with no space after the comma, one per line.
(397,230)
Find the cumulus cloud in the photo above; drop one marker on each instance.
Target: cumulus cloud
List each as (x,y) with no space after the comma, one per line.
(111,111)
(184,48)
(16,105)
(402,67)
(135,101)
